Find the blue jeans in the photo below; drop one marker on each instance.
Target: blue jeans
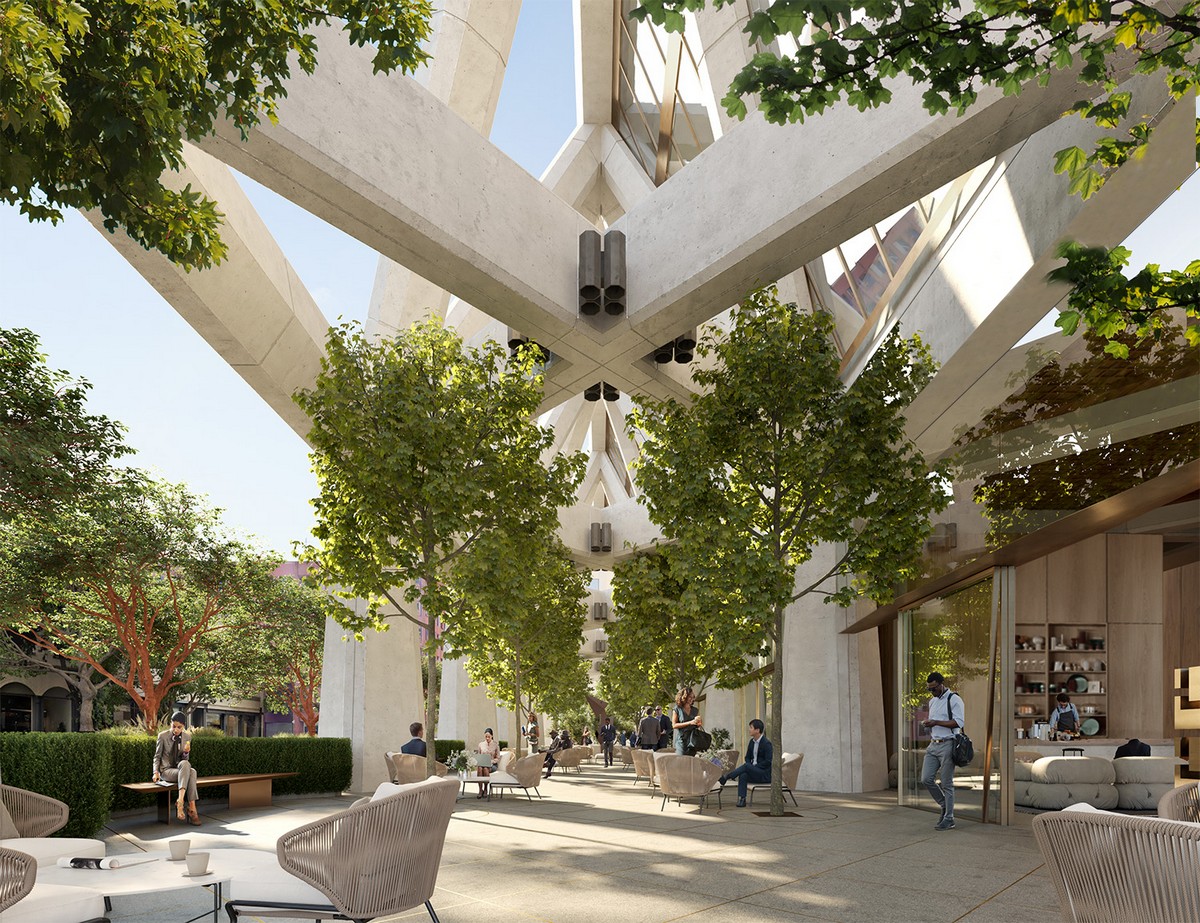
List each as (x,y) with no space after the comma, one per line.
(747,773)
(937,774)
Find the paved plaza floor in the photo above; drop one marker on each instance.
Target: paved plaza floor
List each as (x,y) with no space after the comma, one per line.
(596,847)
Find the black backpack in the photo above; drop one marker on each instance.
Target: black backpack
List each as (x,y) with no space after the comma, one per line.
(962,751)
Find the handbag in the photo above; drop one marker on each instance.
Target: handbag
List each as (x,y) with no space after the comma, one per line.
(698,741)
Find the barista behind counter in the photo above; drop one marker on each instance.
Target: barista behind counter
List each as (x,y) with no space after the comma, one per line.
(1065,717)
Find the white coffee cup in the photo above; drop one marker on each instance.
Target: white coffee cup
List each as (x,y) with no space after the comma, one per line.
(197,863)
(179,848)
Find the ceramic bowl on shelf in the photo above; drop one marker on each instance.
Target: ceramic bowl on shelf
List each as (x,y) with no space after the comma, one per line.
(1090,727)
(1077,683)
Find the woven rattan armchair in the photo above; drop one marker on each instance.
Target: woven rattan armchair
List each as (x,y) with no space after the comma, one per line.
(625,755)
(1181,803)
(643,767)
(372,860)
(526,774)
(571,758)
(33,814)
(790,775)
(23,900)
(681,777)
(408,767)
(1112,868)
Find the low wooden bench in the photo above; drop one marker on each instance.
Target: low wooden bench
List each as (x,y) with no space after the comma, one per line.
(247,790)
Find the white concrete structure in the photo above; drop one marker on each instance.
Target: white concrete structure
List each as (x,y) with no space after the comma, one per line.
(465,233)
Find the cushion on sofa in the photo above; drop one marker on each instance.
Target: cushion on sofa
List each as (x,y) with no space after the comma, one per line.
(1065,770)
(1156,770)
(56,904)
(269,883)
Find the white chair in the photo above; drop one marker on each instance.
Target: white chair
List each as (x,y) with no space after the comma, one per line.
(26,821)
(790,776)
(372,860)
(22,900)
(526,774)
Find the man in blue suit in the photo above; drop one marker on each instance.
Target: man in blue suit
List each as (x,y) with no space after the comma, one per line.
(757,767)
(416,746)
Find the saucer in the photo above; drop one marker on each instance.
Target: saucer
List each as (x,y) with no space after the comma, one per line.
(184,859)
(201,875)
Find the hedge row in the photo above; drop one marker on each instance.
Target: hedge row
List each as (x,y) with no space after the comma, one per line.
(86,770)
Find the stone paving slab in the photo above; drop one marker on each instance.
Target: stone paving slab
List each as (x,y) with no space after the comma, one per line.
(597,848)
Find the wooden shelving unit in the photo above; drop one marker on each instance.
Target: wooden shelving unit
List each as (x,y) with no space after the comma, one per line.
(1054,657)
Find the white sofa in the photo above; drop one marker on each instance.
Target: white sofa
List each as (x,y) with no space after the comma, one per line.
(26,821)
(1131,783)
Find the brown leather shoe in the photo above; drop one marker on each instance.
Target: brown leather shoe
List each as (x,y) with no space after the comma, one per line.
(179,805)
(193,815)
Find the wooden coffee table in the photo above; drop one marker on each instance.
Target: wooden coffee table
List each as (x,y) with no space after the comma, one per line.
(161,874)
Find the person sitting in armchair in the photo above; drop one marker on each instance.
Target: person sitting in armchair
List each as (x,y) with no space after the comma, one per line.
(757,768)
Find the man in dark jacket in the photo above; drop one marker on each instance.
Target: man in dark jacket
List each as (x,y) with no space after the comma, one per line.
(757,768)
(608,737)
(416,746)
(649,730)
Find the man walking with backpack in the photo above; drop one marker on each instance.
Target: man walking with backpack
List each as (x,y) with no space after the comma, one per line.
(946,717)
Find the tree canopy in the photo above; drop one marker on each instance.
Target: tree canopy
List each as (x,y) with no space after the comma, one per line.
(52,451)
(522,598)
(850,51)
(422,449)
(674,628)
(145,572)
(775,456)
(96,98)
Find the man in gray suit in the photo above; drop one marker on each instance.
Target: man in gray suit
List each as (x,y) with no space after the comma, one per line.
(172,764)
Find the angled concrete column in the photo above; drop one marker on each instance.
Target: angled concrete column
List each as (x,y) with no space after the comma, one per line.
(252,309)
(464,710)
(472,39)
(369,689)
(832,701)
(725,50)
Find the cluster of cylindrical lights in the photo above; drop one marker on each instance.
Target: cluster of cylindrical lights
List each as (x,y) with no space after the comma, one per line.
(681,349)
(602,273)
(600,389)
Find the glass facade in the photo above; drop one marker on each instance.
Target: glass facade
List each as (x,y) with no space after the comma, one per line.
(958,635)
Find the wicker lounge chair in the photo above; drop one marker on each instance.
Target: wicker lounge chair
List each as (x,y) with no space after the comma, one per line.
(625,755)
(681,777)
(791,777)
(372,860)
(33,818)
(22,900)
(1182,803)
(404,768)
(643,767)
(526,774)
(1112,868)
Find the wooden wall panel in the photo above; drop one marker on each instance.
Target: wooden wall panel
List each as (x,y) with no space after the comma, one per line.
(1077,583)
(1134,593)
(1181,627)
(1135,681)
(1031,593)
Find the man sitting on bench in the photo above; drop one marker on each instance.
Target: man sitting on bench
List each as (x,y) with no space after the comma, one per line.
(172,764)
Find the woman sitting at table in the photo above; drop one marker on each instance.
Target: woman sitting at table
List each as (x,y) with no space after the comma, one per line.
(491,747)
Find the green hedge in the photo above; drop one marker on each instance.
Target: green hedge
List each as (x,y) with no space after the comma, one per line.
(36,761)
(74,768)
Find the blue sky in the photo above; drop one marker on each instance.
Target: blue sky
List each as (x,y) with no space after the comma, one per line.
(192,418)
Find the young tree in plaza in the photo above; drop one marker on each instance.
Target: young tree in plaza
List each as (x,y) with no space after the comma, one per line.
(522,621)
(851,50)
(52,451)
(294,628)
(674,628)
(98,96)
(130,584)
(423,448)
(775,456)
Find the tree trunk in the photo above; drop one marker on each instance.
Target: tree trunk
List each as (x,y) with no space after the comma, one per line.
(431,695)
(775,699)
(520,747)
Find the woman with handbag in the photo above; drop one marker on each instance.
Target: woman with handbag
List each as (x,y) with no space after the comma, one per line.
(684,717)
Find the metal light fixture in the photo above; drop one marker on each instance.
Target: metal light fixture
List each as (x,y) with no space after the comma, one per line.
(612,264)
(589,273)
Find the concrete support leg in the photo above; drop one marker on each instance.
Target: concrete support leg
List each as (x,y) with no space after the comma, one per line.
(832,703)
(370,692)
